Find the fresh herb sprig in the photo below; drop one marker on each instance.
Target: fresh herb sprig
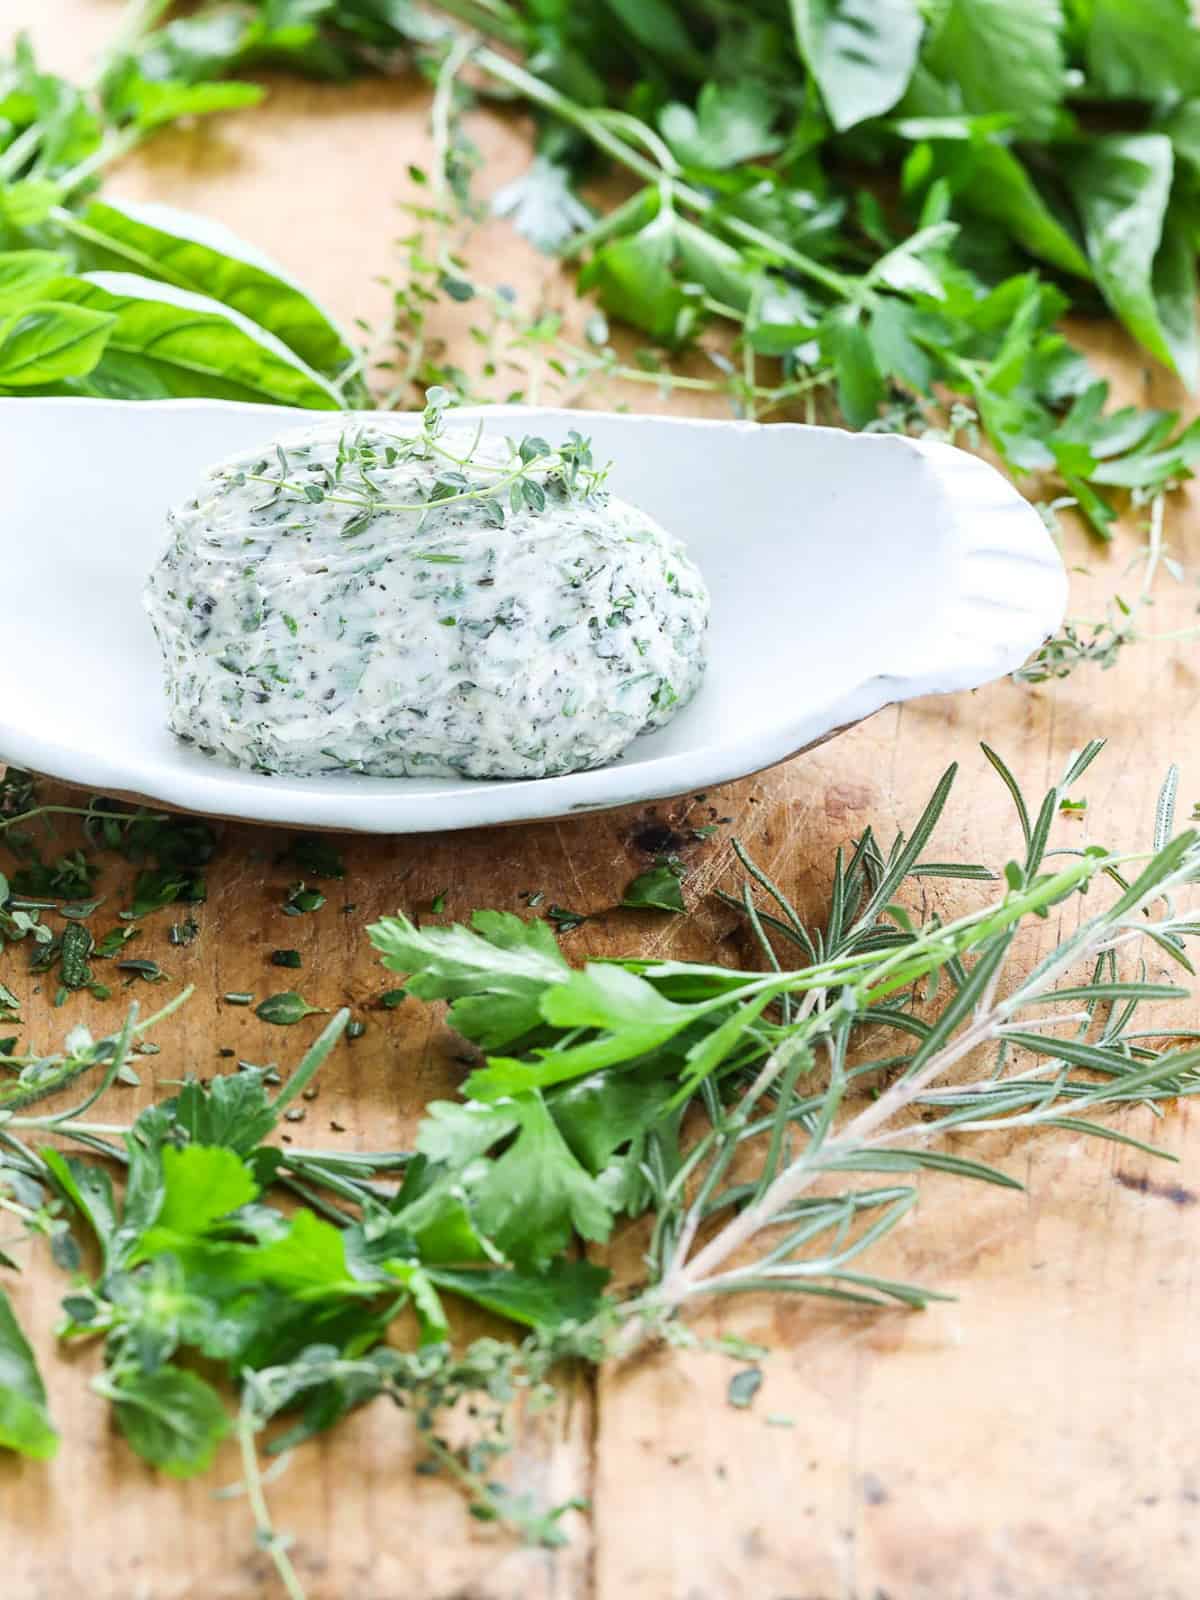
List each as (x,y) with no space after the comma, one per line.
(706,1099)
(532,470)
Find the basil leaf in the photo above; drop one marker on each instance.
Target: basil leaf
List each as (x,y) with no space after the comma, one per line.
(198,255)
(22,271)
(860,52)
(25,1424)
(48,341)
(656,26)
(168,342)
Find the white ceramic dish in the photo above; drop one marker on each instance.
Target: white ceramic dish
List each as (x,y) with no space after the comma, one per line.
(848,571)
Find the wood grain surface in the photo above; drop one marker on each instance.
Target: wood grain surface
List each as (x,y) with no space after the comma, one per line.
(1036,1439)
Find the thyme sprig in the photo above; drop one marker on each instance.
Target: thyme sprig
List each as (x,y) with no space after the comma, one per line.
(533,470)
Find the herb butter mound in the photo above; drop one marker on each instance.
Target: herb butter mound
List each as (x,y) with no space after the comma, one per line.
(428,604)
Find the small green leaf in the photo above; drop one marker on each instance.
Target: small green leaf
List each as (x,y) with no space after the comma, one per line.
(660,888)
(171,1417)
(861,53)
(744,1386)
(286,1008)
(732,123)
(25,1424)
(46,342)
(1001,55)
(202,1184)
(1121,184)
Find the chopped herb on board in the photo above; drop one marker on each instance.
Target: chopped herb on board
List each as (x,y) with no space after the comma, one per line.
(565,920)
(285,958)
(659,888)
(300,899)
(286,1008)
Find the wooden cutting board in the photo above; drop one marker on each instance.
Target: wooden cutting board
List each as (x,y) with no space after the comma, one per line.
(1034,1439)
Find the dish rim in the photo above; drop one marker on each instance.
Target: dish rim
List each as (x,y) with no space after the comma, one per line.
(987,520)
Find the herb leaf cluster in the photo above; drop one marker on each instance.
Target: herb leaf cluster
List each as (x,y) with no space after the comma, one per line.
(767,1123)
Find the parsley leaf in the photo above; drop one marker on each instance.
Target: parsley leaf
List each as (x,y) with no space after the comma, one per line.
(25,1424)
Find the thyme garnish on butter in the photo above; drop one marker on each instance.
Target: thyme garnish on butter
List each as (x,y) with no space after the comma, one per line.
(533,472)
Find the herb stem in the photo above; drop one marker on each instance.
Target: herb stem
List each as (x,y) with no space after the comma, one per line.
(264,1528)
(543,94)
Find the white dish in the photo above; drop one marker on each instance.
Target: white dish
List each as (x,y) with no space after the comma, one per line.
(848,571)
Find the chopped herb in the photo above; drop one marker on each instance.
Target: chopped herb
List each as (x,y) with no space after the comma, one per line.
(78,909)
(659,888)
(438,904)
(185,932)
(238,998)
(393,998)
(150,970)
(300,899)
(743,1387)
(355,1029)
(286,1008)
(113,941)
(74,952)
(285,958)
(565,920)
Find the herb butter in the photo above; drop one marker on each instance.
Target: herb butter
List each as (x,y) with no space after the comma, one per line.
(357,598)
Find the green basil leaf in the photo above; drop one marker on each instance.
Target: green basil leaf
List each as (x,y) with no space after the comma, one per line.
(860,52)
(48,341)
(25,1424)
(167,342)
(198,255)
(28,203)
(24,271)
